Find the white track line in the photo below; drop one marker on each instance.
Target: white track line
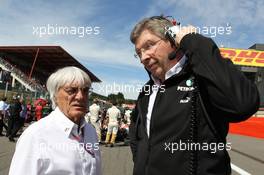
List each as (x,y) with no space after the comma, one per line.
(239,170)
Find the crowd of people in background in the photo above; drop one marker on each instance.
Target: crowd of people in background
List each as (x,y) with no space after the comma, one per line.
(17,112)
(110,120)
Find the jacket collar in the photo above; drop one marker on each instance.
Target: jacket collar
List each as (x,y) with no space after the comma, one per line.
(173,71)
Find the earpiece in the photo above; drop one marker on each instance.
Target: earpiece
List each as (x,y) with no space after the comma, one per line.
(172,55)
(170,33)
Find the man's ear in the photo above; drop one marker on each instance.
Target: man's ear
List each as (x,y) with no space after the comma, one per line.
(171,44)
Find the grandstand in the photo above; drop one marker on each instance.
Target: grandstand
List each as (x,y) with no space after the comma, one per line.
(26,68)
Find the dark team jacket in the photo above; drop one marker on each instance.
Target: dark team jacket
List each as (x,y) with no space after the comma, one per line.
(189,125)
(15,109)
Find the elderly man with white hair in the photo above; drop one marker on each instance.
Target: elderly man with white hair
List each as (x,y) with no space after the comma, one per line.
(61,143)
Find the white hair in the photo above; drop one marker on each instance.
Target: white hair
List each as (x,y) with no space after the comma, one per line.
(66,75)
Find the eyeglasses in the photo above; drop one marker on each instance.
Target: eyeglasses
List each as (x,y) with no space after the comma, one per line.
(74,90)
(149,45)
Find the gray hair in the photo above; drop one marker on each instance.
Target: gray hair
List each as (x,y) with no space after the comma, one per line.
(63,76)
(155,24)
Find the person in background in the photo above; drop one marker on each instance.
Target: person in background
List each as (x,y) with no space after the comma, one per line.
(38,111)
(61,143)
(14,120)
(3,107)
(127,116)
(94,110)
(114,115)
(23,112)
(29,112)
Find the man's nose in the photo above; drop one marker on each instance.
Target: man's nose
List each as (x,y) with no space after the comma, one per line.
(145,56)
(80,94)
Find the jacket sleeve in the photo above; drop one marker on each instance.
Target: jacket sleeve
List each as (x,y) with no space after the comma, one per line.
(224,87)
(133,133)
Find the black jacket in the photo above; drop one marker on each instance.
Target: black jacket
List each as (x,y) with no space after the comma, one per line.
(15,109)
(187,113)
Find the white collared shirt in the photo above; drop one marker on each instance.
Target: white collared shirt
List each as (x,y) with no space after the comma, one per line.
(174,70)
(49,147)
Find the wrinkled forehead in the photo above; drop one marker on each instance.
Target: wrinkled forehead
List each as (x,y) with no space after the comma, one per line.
(145,36)
(79,84)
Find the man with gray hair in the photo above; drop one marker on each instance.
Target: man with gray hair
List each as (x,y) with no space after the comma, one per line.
(61,143)
(195,94)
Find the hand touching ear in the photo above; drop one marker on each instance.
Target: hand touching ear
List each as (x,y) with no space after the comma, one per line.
(184,31)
